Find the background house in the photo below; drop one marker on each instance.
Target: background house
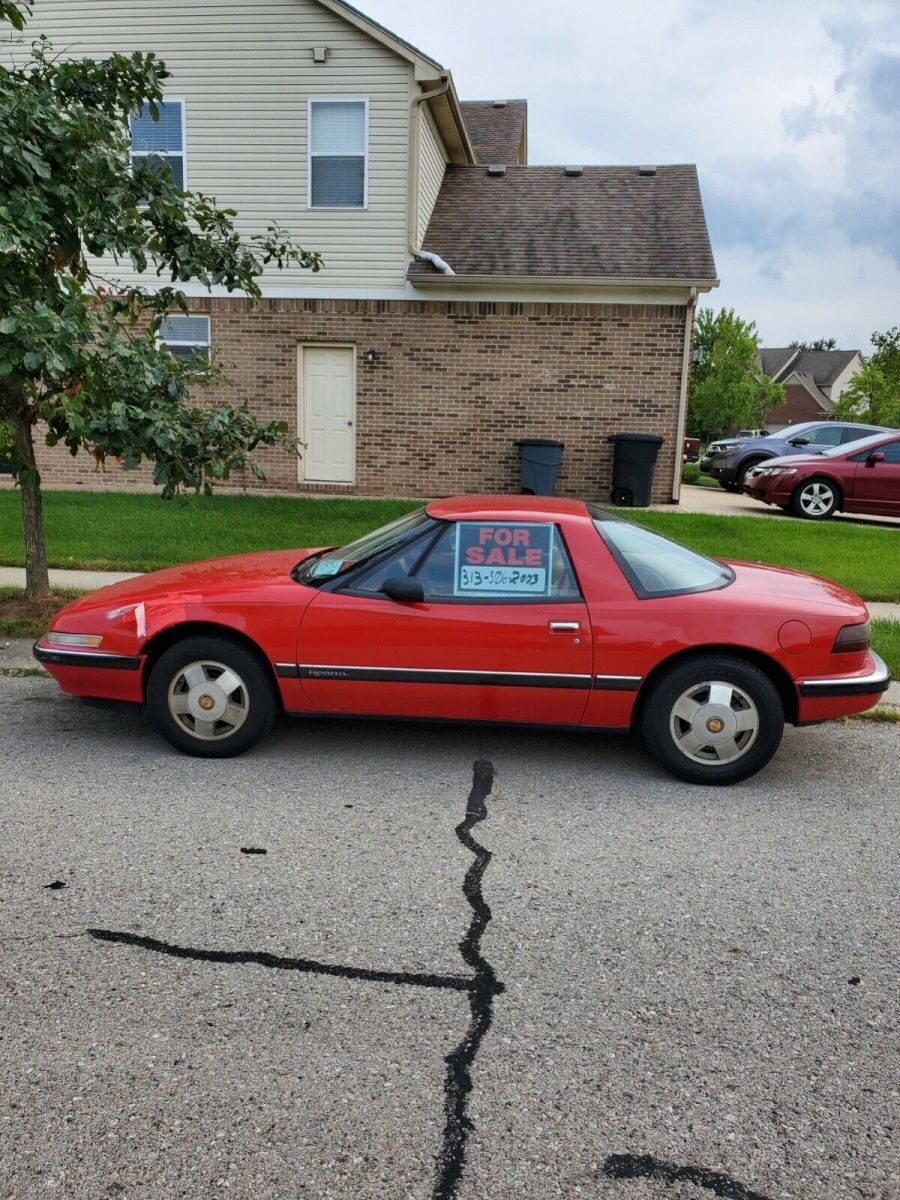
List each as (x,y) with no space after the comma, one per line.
(467,299)
(813,381)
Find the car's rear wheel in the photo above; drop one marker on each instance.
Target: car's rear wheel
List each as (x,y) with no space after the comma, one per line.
(713,720)
(211,697)
(815,499)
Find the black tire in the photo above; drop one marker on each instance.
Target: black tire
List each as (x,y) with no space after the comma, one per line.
(251,707)
(755,703)
(815,499)
(743,469)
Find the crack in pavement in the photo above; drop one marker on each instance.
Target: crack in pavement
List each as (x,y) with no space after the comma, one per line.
(481,987)
(645,1166)
(456,983)
(485,986)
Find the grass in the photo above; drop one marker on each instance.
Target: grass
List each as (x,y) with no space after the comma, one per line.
(115,532)
(690,473)
(140,533)
(886,640)
(20,618)
(863,558)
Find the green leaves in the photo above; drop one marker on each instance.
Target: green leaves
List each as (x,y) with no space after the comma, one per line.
(873,394)
(727,388)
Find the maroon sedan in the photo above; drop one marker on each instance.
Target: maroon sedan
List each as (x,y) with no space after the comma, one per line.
(861,477)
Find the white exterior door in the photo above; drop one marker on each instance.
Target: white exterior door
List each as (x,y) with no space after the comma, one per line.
(328,413)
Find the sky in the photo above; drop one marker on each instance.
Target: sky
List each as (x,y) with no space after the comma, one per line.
(789,108)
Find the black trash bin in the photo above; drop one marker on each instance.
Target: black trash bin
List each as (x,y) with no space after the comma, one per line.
(634,461)
(540,459)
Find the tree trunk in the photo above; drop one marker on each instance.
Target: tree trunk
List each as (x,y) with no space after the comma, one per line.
(37,578)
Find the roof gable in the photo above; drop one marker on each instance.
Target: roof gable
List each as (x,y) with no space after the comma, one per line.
(822,366)
(426,66)
(497,129)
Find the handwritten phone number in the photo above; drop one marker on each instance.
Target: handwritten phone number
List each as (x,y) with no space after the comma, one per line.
(502,579)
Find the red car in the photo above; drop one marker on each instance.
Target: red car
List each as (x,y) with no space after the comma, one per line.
(507,609)
(861,477)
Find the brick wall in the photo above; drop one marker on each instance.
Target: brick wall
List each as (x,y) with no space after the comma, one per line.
(799,406)
(453,385)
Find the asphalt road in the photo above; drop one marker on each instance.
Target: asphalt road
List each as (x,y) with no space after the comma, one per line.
(558,974)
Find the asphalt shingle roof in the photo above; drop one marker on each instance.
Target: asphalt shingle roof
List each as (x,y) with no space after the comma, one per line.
(496,133)
(823,366)
(608,223)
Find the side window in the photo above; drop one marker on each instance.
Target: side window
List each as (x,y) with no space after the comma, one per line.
(853,433)
(156,145)
(825,435)
(338,153)
(187,337)
(401,562)
(511,561)
(891,452)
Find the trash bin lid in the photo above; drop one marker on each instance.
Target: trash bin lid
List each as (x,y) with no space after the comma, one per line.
(636,437)
(540,442)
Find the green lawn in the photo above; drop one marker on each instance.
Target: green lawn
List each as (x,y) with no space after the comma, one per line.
(862,557)
(141,532)
(116,532)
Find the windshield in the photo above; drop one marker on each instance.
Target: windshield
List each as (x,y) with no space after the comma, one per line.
(331,563)
(655,566)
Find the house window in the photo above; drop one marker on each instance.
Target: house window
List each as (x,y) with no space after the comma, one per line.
(156,145)
(186,337)
(338,153)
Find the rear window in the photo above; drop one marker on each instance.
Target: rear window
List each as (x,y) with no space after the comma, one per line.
(656,566)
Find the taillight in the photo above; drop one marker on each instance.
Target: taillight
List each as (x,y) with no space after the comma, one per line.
(853,639)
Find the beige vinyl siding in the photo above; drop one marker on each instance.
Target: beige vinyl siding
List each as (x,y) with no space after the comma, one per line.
(432,165)
(245,72)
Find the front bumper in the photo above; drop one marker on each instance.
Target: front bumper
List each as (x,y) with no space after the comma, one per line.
(725,473)
(59,657)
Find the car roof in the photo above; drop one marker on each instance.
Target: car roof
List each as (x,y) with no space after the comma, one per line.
(508,508)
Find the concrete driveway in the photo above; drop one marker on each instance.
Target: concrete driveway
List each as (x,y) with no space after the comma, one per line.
(715,500)
(368,961)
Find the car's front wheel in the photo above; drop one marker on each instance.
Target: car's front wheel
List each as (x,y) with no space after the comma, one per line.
(713,720)
(815,499)
(211,697)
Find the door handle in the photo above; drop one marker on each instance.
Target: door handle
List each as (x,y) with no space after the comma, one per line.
(564,627)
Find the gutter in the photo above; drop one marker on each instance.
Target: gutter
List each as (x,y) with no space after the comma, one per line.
(415,150)
(683,394)
(564,281)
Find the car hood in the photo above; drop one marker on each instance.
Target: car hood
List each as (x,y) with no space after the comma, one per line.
(199,581)
(793,460)
(796,589)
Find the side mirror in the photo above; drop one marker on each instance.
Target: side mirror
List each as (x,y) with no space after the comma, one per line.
(876,456)
(798,441)
(404,588)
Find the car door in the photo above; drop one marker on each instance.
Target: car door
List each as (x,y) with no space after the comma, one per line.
(876,487)
(502,633)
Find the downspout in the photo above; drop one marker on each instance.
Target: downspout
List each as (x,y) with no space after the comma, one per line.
(683,394)
(415,173)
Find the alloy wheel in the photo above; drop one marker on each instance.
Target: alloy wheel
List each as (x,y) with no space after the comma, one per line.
(208,700)
(714,722)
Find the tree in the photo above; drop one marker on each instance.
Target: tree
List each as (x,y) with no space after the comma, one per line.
(873,394)
(78,351)
(818,344)
(727,388)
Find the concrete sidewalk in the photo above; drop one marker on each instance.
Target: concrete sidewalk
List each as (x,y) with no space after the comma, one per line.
(84,581)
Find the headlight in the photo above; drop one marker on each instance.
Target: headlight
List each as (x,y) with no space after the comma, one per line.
(73,639)
(781,471)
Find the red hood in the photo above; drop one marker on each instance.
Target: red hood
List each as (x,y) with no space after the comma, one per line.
(212,578)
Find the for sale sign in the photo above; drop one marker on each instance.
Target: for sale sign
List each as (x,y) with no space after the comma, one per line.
(509,558)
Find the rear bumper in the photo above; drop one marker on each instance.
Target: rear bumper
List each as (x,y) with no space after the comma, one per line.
(874,683)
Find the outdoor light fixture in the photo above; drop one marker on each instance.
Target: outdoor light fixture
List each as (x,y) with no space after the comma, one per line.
(372,357)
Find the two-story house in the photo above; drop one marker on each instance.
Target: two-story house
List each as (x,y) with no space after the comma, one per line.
(813,381)
(467,299)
